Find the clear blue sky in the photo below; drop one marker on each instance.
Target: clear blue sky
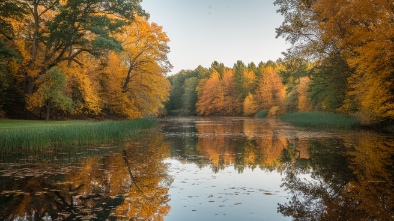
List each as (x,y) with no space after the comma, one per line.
(203,31)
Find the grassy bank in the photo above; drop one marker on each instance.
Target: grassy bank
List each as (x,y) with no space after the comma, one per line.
(321,120)
(31,134)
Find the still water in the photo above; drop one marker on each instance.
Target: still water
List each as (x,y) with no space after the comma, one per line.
(206,169)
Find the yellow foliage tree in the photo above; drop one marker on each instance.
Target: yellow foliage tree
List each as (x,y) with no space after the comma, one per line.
(249,81)
(250,106)
(363,31)
(135,83)
(304,102)
(271,91)
(83,85)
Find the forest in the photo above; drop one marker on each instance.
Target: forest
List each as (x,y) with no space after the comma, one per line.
(81,59)
(341,60)
(78,59)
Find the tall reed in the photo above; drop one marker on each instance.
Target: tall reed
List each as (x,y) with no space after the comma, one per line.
(70,133)
(321,120)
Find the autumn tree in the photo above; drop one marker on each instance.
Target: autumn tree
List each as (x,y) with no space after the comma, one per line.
(250,106)
(217,95)
(210,95)
(84,85)
(270,91)
(49,33)
(232,105)
(352,45)
(135,82)
(112,60)
(61,30)
(245,79)
(304,101)
(363,32)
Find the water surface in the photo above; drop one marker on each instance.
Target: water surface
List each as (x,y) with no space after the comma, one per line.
(206,169)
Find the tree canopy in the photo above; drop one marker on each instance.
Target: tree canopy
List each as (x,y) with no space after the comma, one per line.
(102,58)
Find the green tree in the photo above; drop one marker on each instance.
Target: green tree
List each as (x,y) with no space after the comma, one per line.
(219,67)
(189,97)
(239,69)
(175,103)
(8,66)
(11,13)
(51,92)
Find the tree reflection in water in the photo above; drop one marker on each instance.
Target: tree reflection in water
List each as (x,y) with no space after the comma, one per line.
(351,179)
(251,144)
(99,188)
(340,175)
(328,175)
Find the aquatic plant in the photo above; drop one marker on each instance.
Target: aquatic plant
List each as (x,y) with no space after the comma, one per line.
(318,119)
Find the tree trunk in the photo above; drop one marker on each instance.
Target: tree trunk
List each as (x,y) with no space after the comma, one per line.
(48,110)
(36,27)
(70,60)
(127,80)
(29,84)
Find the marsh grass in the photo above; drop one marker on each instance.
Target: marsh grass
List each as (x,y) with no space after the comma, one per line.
(32,134)
(321,120)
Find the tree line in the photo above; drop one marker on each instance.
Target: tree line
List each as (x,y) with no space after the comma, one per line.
(240,90)
(341,60)
(81,58)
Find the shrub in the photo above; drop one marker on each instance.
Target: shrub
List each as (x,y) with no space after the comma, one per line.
(262,114)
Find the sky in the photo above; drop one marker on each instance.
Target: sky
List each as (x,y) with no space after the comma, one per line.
(203,31)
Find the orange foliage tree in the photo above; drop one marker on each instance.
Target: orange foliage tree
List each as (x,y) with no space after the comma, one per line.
(270,91)
(210,96)
(217,96)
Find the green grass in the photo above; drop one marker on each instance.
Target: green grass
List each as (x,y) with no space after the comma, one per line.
(31,134)
(321,120)
(262,114)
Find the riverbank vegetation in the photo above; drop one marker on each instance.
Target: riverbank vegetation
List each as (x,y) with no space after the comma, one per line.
(40,134)
(81,59)
(321,120)
(339,62)
(261,114)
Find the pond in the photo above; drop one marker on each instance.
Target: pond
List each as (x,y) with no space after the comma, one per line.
(219,168)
